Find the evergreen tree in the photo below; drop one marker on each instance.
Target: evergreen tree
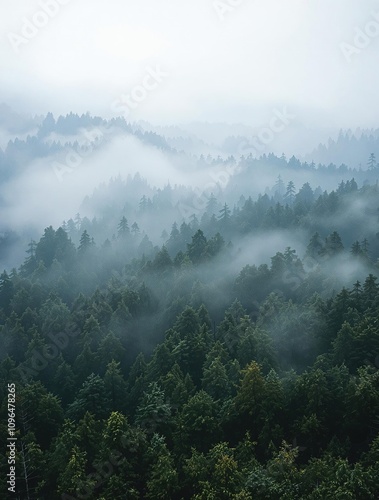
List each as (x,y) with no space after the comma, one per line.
(196,249)
(372,162)
(135,229)
(163,479)
(333,245)
(356,249)
(211,207)
(215,380)
(85,243)
(153,413)
(279,187)
(290,193)
(315,247)
(224,216)
(92,397)
(123,230)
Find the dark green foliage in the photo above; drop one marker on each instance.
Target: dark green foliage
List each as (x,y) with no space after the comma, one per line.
(168,371)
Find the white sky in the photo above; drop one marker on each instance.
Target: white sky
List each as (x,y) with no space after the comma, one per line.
(263,54)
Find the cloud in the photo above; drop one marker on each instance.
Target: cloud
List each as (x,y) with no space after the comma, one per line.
(261,54)
(38,197)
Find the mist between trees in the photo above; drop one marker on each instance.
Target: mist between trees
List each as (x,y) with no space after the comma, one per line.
(230,351)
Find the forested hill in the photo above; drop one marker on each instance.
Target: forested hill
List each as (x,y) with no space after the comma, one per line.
(72,157)
(238,358)
(51,136)
(349,148)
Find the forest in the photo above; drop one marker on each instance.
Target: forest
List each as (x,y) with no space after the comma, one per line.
(189,250)
(172,346)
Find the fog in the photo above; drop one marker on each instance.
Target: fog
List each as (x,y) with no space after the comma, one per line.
(189,248)
(66,180)
(251,58)
(207,93)
(209,77)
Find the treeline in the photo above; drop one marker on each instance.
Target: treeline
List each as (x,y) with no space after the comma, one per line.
(350,148)
(217,413)
(349,210)
(146,371)
(46,139)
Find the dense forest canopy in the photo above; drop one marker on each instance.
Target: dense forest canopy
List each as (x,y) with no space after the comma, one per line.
(179,342)
(189,250)
(72,156)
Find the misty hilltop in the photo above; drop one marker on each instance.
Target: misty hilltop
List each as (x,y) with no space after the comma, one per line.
(71,158)
(185,308)
(189,250)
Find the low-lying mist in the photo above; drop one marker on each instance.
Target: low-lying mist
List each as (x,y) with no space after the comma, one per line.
(110,170)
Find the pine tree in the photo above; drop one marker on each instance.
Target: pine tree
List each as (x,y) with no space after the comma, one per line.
(372,162)
(78,221)
(290,193)
(315,247)
(31,251)
(115,387)
(370,290)
(211,204)
(110,349)
(224,216)
(46,247)
(47,126)
(215,380)
(6,292)
(174,232)
(356,249)
(74,479)
(92,397)
(163,480)
(143,204)
(135,229)
(162,259)
(279,186)
(333,244)
(85,242)
(123,230)
(365,246)
(153,413)
(198,426)
(196,249)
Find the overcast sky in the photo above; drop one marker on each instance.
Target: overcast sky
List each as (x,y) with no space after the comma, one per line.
(218,62)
